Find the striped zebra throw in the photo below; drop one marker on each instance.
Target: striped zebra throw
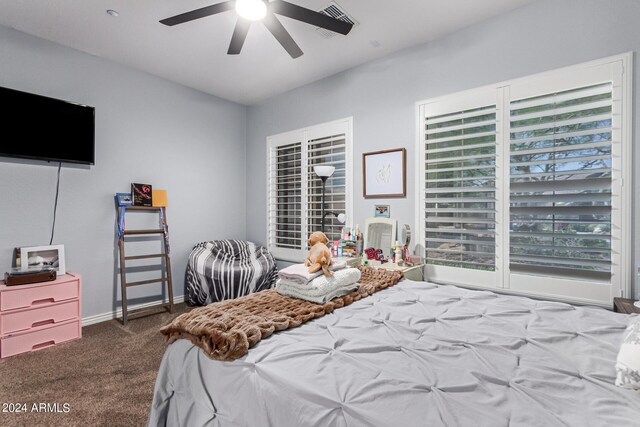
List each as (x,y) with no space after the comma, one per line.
(226,269)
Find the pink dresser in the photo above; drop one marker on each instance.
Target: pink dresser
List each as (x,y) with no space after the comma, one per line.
(39,315)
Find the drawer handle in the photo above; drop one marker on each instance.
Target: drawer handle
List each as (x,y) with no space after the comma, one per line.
(43,301)
(43,345)
(42,322)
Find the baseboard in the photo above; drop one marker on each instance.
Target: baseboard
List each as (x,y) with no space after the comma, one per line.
(86,321)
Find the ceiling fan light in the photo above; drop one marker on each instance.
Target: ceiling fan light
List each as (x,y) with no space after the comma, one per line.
(253,10)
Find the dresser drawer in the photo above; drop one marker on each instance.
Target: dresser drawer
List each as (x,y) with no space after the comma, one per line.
(50,314)
(37,340)
(32,296)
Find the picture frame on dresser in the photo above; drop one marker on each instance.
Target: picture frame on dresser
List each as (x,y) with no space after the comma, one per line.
(43,257)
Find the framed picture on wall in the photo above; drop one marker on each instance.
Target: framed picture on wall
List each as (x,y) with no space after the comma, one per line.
(382,211)
(384,173)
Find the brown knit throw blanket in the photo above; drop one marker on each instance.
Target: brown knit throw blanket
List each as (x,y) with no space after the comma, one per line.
(226,330)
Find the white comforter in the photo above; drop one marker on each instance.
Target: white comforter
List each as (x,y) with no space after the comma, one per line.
(416,354)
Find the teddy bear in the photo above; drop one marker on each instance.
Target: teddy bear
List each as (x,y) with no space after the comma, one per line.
(319,256)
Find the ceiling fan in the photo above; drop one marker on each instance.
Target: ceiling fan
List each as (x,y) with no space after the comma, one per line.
(265,10)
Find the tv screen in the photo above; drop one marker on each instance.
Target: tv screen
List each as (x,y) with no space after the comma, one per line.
(38,127)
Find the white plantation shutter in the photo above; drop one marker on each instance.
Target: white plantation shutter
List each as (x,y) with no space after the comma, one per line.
(560,206)
(525,185)
(331,151)
(285,197)
(460,191)
(295,192)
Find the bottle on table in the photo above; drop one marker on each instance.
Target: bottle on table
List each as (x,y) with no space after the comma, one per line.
(359,241)
(398,253)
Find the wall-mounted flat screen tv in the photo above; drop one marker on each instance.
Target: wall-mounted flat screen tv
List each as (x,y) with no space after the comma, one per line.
(38,127)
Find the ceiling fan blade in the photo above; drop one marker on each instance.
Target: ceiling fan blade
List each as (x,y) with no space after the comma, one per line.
(239,36)
(309,16)
(276,28)
(199,13)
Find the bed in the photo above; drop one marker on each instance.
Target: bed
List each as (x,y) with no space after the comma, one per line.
(413,354)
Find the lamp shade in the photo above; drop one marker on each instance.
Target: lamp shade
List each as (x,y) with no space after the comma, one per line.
(253,10)
(324,171)
(342,218)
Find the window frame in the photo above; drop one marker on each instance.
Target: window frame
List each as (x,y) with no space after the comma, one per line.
(618,69)
(304,135)
(471,99)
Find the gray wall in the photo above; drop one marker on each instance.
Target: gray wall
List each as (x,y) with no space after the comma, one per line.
(147,130)
(381,95)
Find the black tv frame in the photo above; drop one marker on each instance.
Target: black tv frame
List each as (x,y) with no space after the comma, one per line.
(55,159)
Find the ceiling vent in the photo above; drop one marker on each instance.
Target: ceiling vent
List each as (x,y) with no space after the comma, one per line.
(335,11)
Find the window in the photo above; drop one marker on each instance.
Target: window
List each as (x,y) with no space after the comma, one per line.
(560,183)
(294,191)
(286,196)
(329,150)
(460,188)
(521,184)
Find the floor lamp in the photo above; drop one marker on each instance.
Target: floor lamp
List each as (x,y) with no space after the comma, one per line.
(325,172)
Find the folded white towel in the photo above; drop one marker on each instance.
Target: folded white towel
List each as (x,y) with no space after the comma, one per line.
(323,284)
(291,292)
(323,288)
(299,273)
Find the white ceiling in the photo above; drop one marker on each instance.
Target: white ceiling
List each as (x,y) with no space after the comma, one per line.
(194,53)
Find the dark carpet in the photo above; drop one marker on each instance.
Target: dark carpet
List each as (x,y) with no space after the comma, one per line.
(106,378)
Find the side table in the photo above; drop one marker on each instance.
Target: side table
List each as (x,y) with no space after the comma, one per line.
(40,315)
(624,305)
